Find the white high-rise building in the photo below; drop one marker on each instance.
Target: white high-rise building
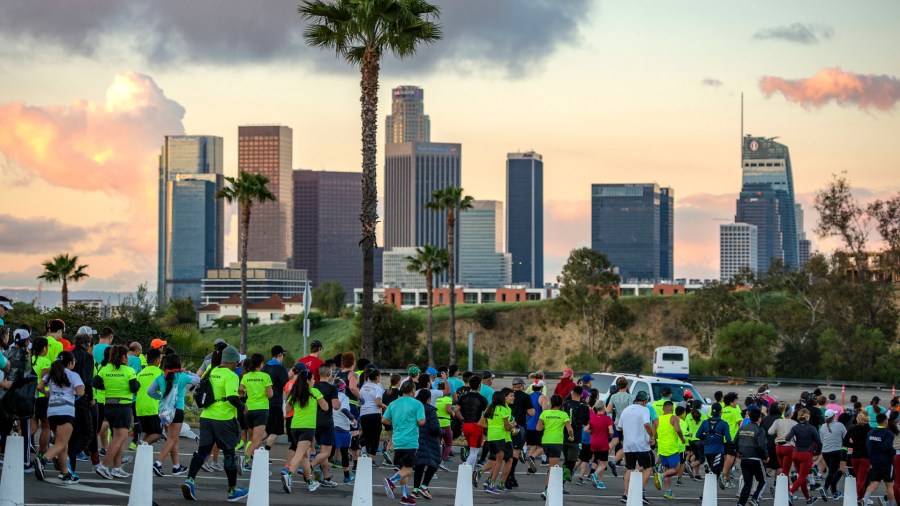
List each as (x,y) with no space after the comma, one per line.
(483,263)
(737,249)
(395,270)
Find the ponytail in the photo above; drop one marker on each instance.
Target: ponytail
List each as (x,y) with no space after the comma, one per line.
(58,370)
(300,393)
(695,411)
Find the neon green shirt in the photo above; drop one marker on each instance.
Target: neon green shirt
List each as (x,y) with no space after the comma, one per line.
(443,416)
(554,425)
(496,428)
(732,415)
(116,383)
(690,427)
(39,364)
(305,417)
(224,384)
(146,405)
(667,436)
(255,384)
(54,348)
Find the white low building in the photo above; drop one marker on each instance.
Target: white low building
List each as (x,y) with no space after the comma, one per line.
(269,311)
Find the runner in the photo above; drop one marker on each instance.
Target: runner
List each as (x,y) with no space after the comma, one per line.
(55,330)
(873,409)
(119,383)
(806,439)
(444,407)
(428,455)
(325,425)
(390,395)
(752,447)
(637,431)
(84,430)
(554,425)
(766,424)
(565,385)
(856,442)
(579,415)
(522,408)
(497,420)
(40,364)
(344,423)
(371,410)
(170,389)
(470,408)
(695,454)
(146,407)
(257,386)
(715,433)
(669,440)
(832,434)
(61,385)
(405,415)
(731,414)
(880,445)
(278,375)
(601,430)
(312,361)
(533,437)
(305,401)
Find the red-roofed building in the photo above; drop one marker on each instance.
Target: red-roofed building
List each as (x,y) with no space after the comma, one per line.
(271,310)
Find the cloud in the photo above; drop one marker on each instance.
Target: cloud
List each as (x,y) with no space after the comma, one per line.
(864,91)
(506,34)
(37,235)
(801,33)
(709,81)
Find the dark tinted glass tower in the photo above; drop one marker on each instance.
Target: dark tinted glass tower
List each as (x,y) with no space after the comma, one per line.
(326,227)
(759,205)
(768,162)
(525,216)
(632,225)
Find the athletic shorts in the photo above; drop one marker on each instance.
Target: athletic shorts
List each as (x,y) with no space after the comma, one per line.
(553,451)
(40,408)
(731,449)
(179,416)
(670,460)
(881,472)
(242,422)
(299,435)
(101,415)
(404,458)
(600,455)
(585,454)
(634,459)
(518,440)
(150,424)
(570,451)
(342,439)
(118,415)
(474,434)
(57,420)
(256,417)
(496,447)
(716,462)
(223,433)
(325,437)
(533,437)
(354,443)
(275,422)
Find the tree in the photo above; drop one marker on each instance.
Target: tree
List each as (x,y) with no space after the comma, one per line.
(179,312)
(245,189)
(362,32)
(329,298)
(62,269)
(709,310)
(429,261)
(397,331)
(743,345)
(452,201)
(588,289)
(841,216)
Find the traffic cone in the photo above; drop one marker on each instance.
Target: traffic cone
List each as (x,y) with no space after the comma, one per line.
(710,490)
(555,487)
(850,498)
(259,478)
(12,484)
(362,487)
(142,478)
(782,495)
(464,486)
(635,490)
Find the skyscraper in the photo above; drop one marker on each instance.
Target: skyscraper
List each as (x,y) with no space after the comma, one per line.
(804,245)
(525,216)
(407,121)
(737,249)
(768,162)
(191,220)
(326,227)
(630,226)
(759,205)
(268,150)
(482,260)
(412,171)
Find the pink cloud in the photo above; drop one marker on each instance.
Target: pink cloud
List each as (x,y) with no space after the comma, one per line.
(833,84)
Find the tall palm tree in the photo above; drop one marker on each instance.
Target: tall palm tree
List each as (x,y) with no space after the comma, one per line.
(429,262)
(453,201)
(361,32)
(245,189)
(62,269)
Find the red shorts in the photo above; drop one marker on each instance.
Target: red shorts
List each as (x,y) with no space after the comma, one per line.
(474,434)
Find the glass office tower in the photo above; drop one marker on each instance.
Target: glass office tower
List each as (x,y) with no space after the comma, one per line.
(525,216)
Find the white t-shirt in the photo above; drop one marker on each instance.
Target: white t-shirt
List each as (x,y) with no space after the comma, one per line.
(61,400)
(631,423)
(369,392)
(340,419)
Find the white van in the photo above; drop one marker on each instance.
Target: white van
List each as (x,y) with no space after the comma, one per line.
(671,362)
(653,385)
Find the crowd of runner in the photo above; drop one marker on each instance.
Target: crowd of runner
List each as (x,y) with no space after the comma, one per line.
(92,400)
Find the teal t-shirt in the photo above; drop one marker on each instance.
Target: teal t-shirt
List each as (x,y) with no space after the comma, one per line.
(98,352)
(404,414)
(179,383)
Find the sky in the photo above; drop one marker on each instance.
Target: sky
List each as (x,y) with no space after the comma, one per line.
(607,92)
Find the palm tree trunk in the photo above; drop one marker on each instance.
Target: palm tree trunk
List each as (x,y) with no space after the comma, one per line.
(429,286)
(451,223)
(245,227)
(368,216)
(65,292)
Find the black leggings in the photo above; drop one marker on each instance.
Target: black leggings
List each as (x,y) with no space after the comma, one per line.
(752,470)
(371,432)
(422,475)
(833,461)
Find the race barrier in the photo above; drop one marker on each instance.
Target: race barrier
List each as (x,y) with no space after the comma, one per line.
(555,487)
(362,487)
(142,478)
(12,484)
(710,491)
(259,478)
(464,486)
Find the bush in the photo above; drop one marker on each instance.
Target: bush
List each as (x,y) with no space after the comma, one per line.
(315,321)
(486,317)
(517,361)
(442,355)
(704,366)
(628,361)
(583,361)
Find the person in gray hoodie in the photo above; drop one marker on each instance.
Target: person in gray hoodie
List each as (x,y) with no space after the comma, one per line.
(752,446)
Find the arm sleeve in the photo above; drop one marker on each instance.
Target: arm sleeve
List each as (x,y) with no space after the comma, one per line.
(236,402)
(153,389)
(133,385)
(98,383)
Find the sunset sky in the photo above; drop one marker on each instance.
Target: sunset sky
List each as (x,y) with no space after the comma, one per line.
(640,91)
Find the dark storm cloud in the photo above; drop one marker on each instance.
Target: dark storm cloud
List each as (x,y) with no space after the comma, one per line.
(37,235)
(801,33)
(510,34)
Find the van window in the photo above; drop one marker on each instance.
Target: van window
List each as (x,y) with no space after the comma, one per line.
(673,357)
(677,391)
(641,386)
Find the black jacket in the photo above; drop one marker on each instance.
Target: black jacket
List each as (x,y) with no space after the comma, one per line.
(856,439)
(806,438)
(752,442)
(84,368)
(429,452)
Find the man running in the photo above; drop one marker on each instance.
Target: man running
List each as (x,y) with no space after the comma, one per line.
(753,447)
(670,439)
(405,415)
(637,432)
(312,361)
(325,425)
(522,408)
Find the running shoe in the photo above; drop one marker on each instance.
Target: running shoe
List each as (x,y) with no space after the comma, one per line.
(38,468)
(188,490)
(127,459)
(657,482)
(408,501)
(29,468)
(389,488)
(386,458)
(729,484)
(721,481)
(502,488)
(103,471)
(286,482)
(313,486)
(595,480)
(532,466)
(690,470)
(624,499)
(158,470)
(645,500)
(425,493)
(824,494)
(837,495)
(521,458)
(180,470)
(601,485)
(237,494)
(215,466)
(812,500)
(464,454)
(81,457)
(240,446)
(580,482)
(612,467)
(544,494)
(207,466)
(669,495)
(118,472)
(67,479)
(328,483)
(443,467)
(349,479)
(753,502)
(132,446)
(102,452)
(491,490)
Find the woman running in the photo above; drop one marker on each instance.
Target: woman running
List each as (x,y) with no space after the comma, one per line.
(806,439)
(62,386)
(120,384)
(784,449)
(40,363)
(601,430)
(428,456)
(855,441)
(172,382)
(371,410)
(305,401)
(553,422)
(832,434)
(694,454)
(257,386)
(497,421)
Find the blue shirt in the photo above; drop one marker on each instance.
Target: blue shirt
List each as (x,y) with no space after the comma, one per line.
(157,389)
(455,384)
(486,392)
(715,433)
(653,415)
(404,414)
(134,362)
(98,352)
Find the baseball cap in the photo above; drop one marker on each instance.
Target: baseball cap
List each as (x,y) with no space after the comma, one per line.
(716,409)
(486,375)
(300,367)
(21,335)
(219,341)
(413,370)
(431,371)
(316,344)
(518,381)
(829,413)
(231,355)
(277,350)
(539,383)
(641,397)
(687,394)
(86,330)
(567,373)
(6,305)
(586,378)
(876,399)
(158,343)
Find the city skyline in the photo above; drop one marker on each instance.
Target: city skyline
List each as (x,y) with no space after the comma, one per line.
(84,108)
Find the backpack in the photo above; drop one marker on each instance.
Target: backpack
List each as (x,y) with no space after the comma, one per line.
(203,392)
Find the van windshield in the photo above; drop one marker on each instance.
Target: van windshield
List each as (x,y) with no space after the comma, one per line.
(673,357)
(677,391)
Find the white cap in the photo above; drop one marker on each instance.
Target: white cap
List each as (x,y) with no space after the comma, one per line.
(829,413)
(20,334)
(85,330)
(6,305)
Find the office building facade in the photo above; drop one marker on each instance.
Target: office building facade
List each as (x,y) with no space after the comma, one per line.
(407,121)
(327,228)
(268,150)
(738,249)
(632,225)
(759,205)
(482,259)
(396,269)
(191,221)
(264,279)
(525,217)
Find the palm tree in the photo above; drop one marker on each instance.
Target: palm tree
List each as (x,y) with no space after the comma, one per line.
(245,189)
(361,32)
(429,262)
(62,269)
(451,200)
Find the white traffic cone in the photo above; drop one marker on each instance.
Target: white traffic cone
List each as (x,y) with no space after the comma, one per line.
(464,486)
(850,497)
(782,493)
(142,478)
(259,478)
(635,490)
(555,487)
(12,484)
(362,487)
(710,490)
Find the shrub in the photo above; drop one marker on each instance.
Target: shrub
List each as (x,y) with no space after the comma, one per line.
(517,361)
(583,361)
(627,361)
(486,317)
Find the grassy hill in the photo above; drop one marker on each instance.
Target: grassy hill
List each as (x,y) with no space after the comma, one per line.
(261,338)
